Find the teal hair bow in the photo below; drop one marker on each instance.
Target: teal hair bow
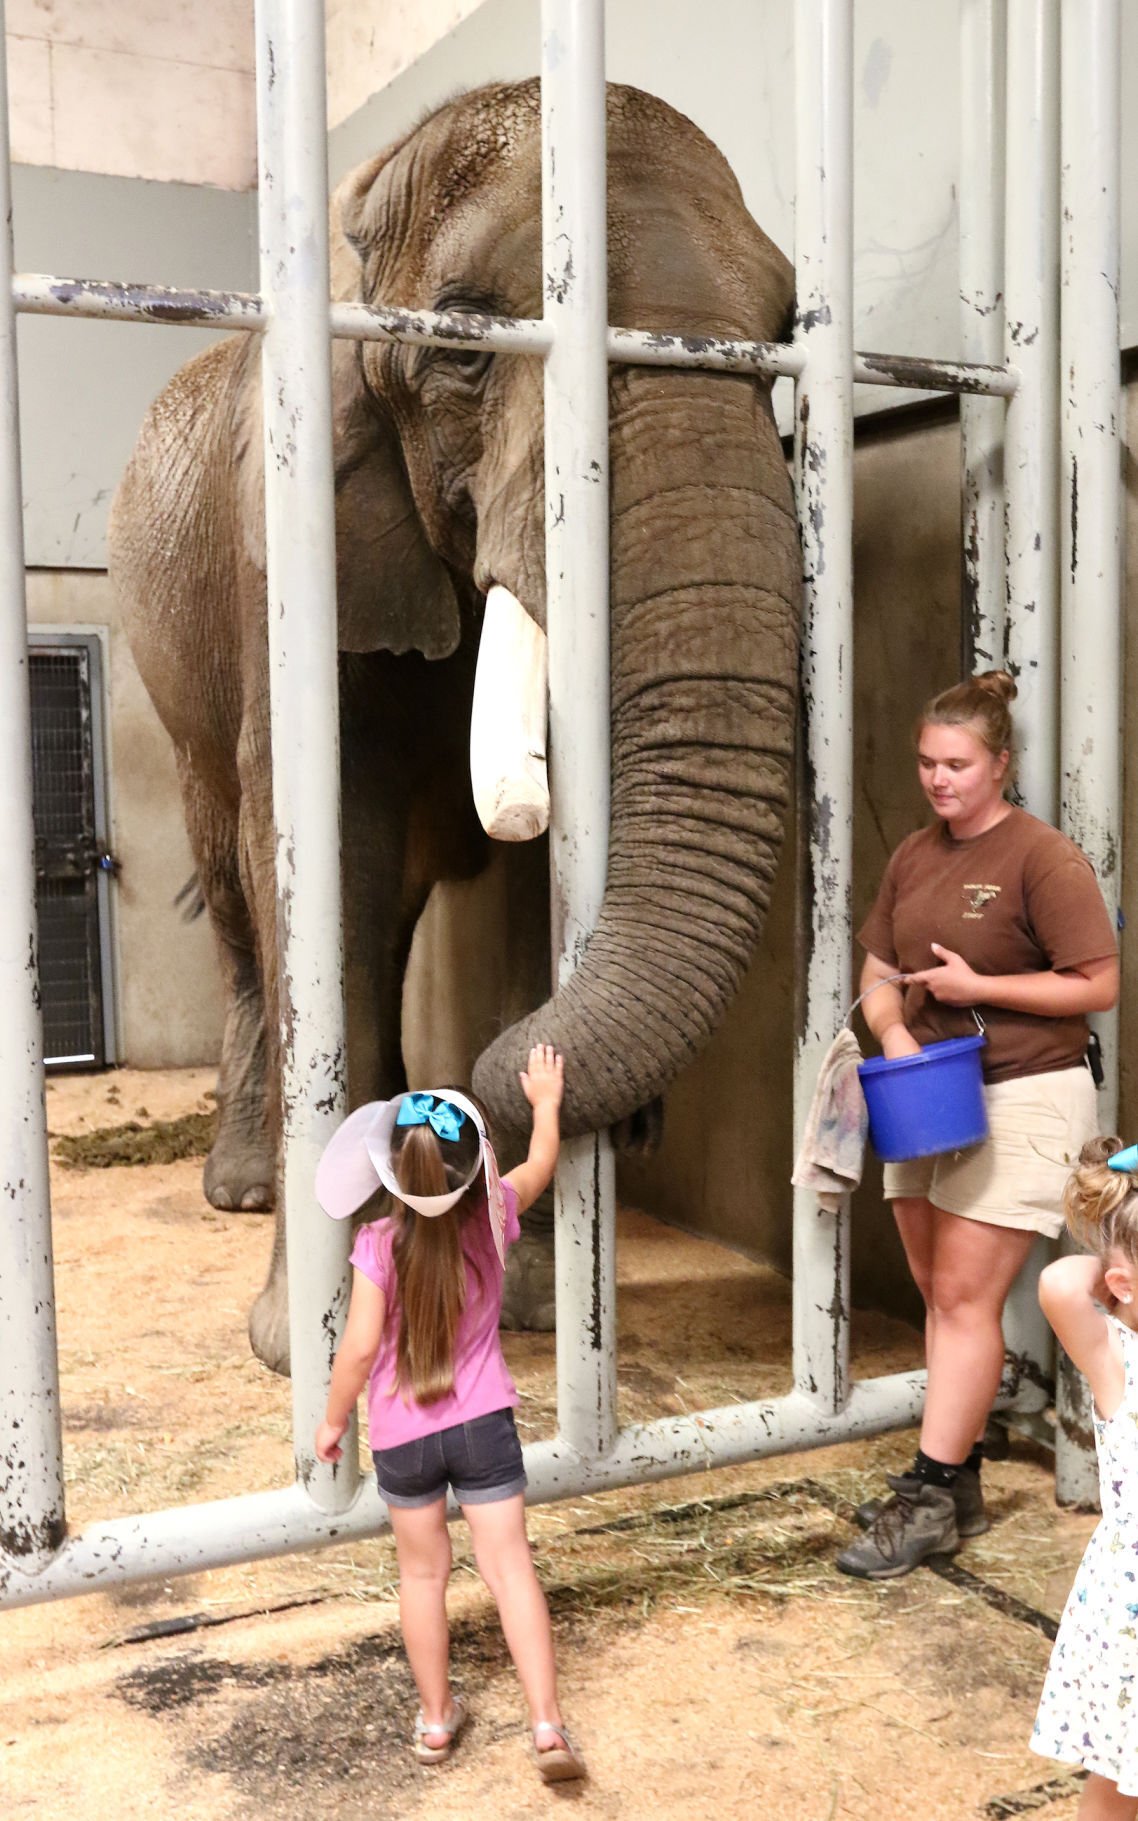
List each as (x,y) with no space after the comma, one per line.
(423,1109)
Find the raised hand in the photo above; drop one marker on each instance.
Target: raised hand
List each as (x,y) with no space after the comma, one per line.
(543,1078)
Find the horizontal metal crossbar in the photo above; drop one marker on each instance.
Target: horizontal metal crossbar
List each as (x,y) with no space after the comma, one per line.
(934,375)
(189,1539)
(37,294)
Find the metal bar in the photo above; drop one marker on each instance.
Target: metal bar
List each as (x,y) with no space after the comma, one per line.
(441,328)
(39,294)
(301,584)
(934,375)
(983,26)
(823,447)
(574,224)
(192,1538)
(1031,503)
(32,1522)
(714,353)
(1090,757)
(1031,435)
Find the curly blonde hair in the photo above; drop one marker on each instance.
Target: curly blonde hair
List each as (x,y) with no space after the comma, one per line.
(1101,1205)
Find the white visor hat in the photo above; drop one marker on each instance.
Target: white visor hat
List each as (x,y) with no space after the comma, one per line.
(357,1160)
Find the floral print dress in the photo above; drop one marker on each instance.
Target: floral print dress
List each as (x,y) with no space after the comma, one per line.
(1088,1712)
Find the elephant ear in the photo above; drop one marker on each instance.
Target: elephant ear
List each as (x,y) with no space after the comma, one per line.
(393,593)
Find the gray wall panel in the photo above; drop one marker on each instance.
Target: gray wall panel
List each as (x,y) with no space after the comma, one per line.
(84,386)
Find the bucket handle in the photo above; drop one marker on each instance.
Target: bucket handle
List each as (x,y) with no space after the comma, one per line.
(891,980)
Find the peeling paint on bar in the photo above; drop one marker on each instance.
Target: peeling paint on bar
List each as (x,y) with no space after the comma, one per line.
(644,348)
(37,294)
(1031,432)
(32,1512)
(933,375)
(441,328)
(1090,530)
(304,689)
(574,252)
(102,299)
(824,488)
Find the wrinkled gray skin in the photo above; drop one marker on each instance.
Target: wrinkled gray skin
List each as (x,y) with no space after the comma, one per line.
(439,494)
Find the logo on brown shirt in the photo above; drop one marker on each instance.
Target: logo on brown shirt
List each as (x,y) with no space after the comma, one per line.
(978,896)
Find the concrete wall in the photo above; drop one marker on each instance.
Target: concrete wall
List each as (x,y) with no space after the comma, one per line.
(152,89)
(370,42)
(84,386)
(168,987)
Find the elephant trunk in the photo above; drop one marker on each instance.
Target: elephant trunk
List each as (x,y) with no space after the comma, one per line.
(705,595)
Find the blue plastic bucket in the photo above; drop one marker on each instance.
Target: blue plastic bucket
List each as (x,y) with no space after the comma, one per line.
(933,1101)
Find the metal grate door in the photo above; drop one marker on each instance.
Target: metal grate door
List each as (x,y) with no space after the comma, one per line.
(70,848)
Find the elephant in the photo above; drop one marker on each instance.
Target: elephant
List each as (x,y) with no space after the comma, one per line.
(438,499)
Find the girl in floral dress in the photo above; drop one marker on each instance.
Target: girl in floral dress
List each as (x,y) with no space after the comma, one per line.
(1088,1713)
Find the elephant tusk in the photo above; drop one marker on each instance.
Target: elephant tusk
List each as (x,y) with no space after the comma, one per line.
(507,722)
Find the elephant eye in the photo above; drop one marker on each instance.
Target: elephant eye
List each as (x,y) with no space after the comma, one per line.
(471,362)
(469,365)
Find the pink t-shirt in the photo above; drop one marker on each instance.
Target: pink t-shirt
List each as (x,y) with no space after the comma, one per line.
(481,1381)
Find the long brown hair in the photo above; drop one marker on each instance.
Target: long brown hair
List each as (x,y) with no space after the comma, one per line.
(1101,1205)
(430,1264)
(981,705)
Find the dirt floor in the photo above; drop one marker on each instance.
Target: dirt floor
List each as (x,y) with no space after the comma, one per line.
(714,1664)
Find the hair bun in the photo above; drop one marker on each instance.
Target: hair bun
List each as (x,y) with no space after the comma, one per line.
(998,683)
(1096,1151)
(1093,1193)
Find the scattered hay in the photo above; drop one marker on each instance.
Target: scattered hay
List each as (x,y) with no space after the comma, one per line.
(166,1141)
(776,1544)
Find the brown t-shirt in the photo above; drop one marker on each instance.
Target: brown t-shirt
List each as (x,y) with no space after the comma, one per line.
(1018,899)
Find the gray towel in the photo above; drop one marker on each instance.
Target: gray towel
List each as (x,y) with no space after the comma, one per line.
(833,1145)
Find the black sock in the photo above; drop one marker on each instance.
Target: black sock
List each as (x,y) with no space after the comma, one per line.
(935,1473)
(976,1459)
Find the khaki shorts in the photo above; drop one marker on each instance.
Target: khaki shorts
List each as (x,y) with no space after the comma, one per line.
(1037,1125)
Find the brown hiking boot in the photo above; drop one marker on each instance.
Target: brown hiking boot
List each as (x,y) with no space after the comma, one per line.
(918,1521)
(967,1496)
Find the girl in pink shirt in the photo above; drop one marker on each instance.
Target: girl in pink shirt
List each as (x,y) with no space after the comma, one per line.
(422,1331)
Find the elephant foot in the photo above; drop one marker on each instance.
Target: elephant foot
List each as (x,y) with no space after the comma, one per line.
(239,1177)
(268,1325)
(528,1298)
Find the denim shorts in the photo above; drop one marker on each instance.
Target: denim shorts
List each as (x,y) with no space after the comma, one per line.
(481,1459)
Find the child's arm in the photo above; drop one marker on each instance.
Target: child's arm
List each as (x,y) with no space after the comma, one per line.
(543,1083)
(362,1335)
(1068,1290)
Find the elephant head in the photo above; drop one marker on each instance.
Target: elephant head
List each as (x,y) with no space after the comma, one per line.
(705,570)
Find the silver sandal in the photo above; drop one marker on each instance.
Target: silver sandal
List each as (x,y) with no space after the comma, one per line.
(434,1754)
(557,1763)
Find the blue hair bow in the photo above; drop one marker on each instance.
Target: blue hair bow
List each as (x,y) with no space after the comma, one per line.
(423,1109)
(1124,1161)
